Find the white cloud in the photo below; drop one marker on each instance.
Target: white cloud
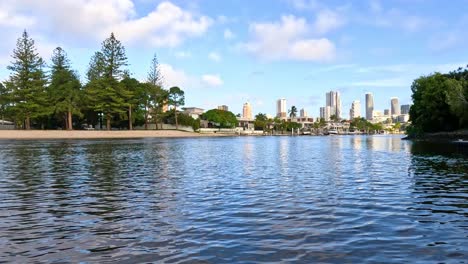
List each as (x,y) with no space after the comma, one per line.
(305,4)
(174,77)
(393,18)
(214,56)
(212,80)
(327,20)
(183,54)
(167,25)
(288,39)
(228,34)
(9,19)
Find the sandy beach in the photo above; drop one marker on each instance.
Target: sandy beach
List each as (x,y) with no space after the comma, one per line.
(84,134)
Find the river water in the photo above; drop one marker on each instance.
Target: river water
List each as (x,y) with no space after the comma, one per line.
(336,199)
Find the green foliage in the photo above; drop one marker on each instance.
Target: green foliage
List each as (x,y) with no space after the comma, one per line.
(457,95)
(104,93)
(4,102)
(182,118)
(261,122)
(64,89)
(26,85)
(362,124)
(154,75)
(431,111)
(104,96)
(222,119)
(176,97)
(113,58)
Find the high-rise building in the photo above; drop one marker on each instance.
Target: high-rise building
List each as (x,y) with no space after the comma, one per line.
(395,106)
(405,109)
(303,113)
(355,111)
(333,100)
(325,113)
(281,111)
(247,111)
(369,105)
(386,112)
(223,107)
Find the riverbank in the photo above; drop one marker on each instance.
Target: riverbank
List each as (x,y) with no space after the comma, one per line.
(85,134)
(443,136)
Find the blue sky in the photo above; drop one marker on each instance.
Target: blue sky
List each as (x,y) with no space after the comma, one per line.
(230,52)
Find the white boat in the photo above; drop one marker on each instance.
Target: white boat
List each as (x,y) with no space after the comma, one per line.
(333,132)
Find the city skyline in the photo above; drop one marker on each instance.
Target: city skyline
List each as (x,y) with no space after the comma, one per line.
(223,53)
(355,110)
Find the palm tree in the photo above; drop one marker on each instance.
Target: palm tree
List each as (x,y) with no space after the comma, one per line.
(293,112)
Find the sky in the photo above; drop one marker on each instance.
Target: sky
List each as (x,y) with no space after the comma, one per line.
(233,51)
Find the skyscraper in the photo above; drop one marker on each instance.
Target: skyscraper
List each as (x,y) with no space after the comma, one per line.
(223,107)
(369,106)
(303,113)
(333,100)
(395,106)
(386,112)
(405,109)
(355,111)
(247,111)
(281,111)
(325,113)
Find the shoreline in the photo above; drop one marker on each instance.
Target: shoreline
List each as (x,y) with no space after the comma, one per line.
(442,136)
(86,134)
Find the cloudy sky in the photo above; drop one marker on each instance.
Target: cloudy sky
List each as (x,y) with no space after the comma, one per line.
(233,51)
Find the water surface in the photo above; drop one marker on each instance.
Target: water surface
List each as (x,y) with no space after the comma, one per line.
(343,199)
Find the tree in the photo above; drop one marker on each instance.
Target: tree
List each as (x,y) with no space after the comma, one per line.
(260,121)
(104,92)
(221,118)
(113,58)
(155,96)
(160,100)
(334,118)
(96,67)
(430,111)
(457,100)
(27,81)
(4,101)
(154,75)
(65,88)
(293,112)
(176,98)
(131,88)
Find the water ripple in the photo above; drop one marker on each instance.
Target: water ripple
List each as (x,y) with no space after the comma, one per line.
(232,200)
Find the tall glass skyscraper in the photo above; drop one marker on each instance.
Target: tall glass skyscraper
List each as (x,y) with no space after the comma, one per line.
(369,106)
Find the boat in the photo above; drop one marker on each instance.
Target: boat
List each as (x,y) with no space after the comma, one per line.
(333,132)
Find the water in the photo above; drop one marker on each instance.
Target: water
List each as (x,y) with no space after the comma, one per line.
(233,200)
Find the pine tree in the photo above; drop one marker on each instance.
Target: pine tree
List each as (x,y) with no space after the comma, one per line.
(114,58)
(27,82)
(105,94)
(4,101)
(154,75)
(130,92)
(95,68)
(176,98)
(65,88)
(156,96)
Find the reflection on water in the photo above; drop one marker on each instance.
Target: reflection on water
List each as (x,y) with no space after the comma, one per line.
(346,199)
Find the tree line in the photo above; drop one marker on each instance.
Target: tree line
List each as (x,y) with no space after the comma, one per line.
(440,103)
(37,95)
